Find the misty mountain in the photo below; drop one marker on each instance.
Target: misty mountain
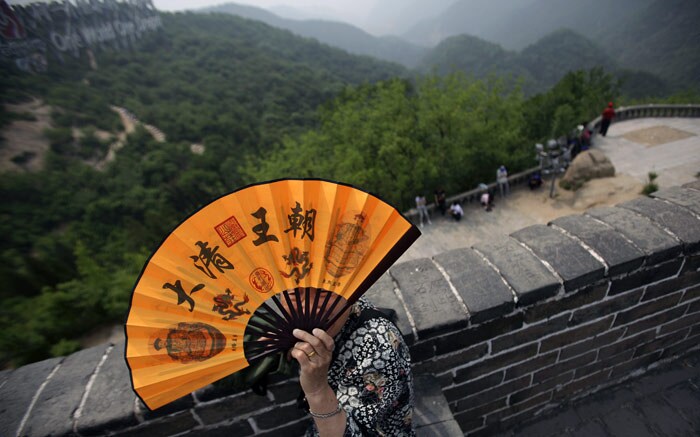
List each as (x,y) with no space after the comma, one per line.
(395,17)
(515,24)
(662,39)
(299,13)
(541,65)
(337,34)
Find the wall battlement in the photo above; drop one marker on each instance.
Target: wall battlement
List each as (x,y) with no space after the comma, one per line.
(509,329)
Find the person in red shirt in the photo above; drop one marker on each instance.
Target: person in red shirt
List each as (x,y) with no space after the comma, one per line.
(608,115)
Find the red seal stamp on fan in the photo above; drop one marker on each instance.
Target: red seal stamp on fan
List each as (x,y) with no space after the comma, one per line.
(261,280)
(230,231)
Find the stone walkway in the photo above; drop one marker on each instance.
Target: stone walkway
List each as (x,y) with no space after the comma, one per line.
(663,403)
(677,161)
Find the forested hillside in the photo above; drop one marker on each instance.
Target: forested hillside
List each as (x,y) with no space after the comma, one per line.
(539,66)
(75,237)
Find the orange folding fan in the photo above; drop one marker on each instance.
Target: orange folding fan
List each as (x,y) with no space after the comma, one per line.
(248,263)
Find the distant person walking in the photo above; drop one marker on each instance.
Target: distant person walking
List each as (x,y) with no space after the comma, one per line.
(441,200)
(422,207)
(608,115)
(502,179)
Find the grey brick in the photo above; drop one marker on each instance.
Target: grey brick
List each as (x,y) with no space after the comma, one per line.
(477,334)
(661,343)
(572,336)
(524,272)
(605,363)
(570,301)
(576,266)
(467,422)
(624,345)
(381,293)
(162,427)
(691,293)
(443,363)
(110,402)
(684,346)
(481,288)
(542,387)
(589,382)
(679,221)
(278,417)
(18,391)
(624,369)
(620,255)
(655,320)
(656,244)
(53,411)
(684,322)
(563,367)
(530,334)
(422,350)
(289,429)
(609,306)
(227,408)
(517,407)
(689,199)
(529,366)
(645,276)
(671,285)
(598,341)
(472,387)
(286,391)
(239,428)
(495,363)
(489,396)
(692,264)
(428,296)
(647,308)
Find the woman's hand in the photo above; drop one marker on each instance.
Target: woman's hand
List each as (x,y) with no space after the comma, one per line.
(314,353)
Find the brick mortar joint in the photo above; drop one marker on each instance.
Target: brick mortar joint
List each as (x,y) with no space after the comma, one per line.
(453,289)
(498,272)
(585,246)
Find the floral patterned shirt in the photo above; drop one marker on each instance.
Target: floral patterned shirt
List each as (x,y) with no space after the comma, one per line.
(371,376)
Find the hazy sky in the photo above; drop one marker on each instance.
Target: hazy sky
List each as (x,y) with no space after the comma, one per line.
(353,7)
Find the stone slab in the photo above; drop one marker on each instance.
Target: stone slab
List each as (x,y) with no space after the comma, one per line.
(111,400)
(448,428)
(481,288)
(654,241)
(430,403)
(689,199)
(17,393)
(620,255)
(381,294)
(523,271)
(693,185)
(679,221)
(576,266)
(428,296)
(54,409)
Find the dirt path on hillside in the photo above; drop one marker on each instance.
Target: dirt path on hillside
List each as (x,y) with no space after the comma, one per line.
(25,138)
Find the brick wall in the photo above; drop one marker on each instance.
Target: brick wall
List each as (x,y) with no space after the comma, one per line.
(509,329)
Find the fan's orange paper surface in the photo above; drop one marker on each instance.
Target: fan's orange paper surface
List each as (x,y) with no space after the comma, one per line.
(191,305)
